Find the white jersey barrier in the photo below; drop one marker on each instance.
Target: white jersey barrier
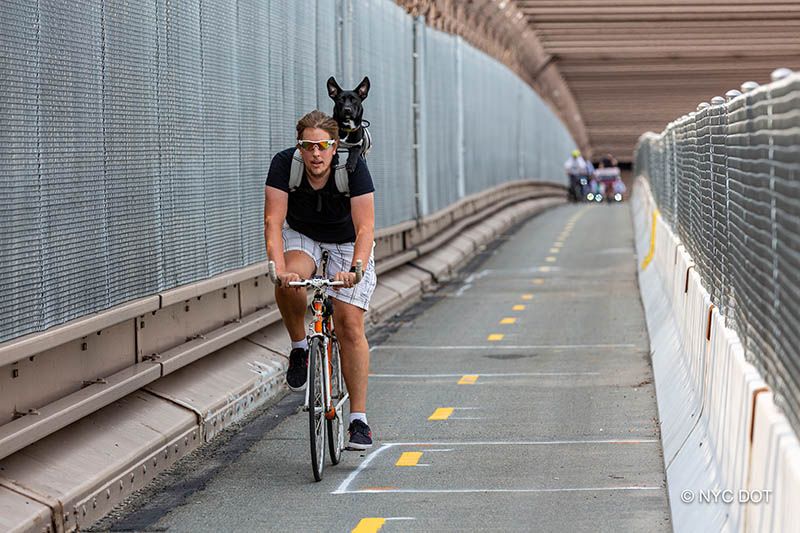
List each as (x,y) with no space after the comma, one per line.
(732,460)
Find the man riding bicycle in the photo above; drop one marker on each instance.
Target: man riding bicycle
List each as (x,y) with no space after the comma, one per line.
(303,221)
(577,169)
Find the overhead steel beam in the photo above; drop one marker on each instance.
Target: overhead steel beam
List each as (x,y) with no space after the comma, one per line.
(649,4)
(637,64)
(678,41)
(616,25)
(679,52)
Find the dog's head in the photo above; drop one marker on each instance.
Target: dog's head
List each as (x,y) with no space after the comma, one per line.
(347,109)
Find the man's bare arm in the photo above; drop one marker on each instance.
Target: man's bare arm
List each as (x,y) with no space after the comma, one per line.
(362,209)
(276,203)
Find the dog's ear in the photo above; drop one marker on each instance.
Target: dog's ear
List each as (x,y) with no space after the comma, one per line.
(333,88)
(363,88)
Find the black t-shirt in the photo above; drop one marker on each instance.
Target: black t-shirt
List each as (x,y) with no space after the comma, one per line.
(323,215)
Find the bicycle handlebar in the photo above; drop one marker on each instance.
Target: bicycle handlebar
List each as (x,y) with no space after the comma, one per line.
(316,282)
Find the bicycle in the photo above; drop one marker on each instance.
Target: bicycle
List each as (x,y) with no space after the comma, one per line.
(325,380)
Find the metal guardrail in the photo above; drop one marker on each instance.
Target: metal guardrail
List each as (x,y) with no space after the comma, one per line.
(727,179)
(125,348)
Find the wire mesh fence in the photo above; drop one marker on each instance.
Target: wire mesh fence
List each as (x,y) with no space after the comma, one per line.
(727,178)
(134,141)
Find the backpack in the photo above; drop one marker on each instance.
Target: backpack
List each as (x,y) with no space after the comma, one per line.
(339,172)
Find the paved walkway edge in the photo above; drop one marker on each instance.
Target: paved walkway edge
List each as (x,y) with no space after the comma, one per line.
(732,460)
(75,476)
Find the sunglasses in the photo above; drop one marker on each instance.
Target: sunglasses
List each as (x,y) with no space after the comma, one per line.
(308,146)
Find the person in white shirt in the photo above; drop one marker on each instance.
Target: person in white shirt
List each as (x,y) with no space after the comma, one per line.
(577,168)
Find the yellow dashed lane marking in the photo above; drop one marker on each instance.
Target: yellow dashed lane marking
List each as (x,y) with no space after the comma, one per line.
(508,320)
(550,259)
(441,413)
(408,459)
(544,269)
(554,250)
(369,525)
(518,307)
(527,296)
(538,281)
(468,379)
(495,337)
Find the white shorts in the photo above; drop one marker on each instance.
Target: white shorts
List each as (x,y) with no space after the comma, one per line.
(340,258)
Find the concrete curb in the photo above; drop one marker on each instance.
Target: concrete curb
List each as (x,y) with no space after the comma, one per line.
(73,477)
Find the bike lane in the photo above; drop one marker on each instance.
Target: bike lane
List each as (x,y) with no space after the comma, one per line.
(518,397)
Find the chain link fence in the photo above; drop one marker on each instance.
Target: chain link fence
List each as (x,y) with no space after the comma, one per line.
(135,139)
(727,178)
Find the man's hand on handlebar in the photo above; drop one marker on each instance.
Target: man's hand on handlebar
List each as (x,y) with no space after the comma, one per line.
(348,278)
(286,277)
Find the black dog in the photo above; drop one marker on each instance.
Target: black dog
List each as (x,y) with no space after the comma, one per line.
(347,111)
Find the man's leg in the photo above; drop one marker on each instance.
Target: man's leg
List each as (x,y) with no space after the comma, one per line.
(292,304)
(349,324)
(349,321)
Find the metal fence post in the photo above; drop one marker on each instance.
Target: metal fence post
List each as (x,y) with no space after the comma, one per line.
(420,143)
(461,180)
(340,16)
(346,28)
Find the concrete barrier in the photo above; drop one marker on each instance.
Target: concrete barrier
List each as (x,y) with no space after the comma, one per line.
(732,460)
(774,466)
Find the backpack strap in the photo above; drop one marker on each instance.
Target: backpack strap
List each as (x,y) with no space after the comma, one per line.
(367,142)
(340,175)
(296,172)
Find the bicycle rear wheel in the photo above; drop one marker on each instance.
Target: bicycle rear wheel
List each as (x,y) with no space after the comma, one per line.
(336,425)
(316,405)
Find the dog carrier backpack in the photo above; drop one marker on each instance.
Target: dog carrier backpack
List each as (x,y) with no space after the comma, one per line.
(339,173)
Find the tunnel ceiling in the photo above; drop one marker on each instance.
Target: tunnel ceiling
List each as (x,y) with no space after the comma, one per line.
(634,65)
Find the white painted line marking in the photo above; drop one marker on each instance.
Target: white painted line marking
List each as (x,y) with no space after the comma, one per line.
(342,489)
(463,491)
(349,479)
(478,275)
(510,374)
(499,346)
(526,443)
(463,289)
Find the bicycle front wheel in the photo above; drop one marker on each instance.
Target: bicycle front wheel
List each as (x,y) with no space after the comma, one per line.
(316,405)
(336,425)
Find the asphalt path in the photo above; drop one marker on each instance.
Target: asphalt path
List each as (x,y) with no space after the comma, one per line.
(518,397)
